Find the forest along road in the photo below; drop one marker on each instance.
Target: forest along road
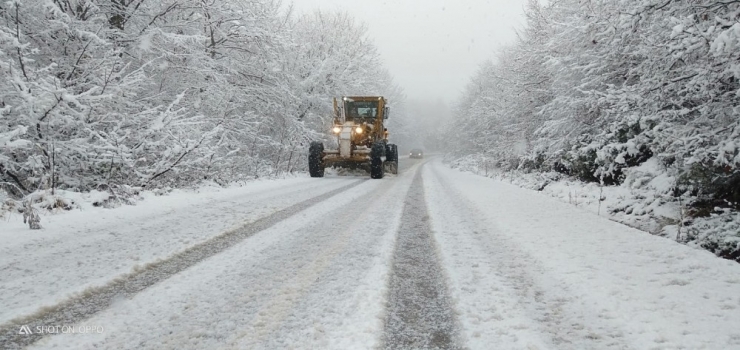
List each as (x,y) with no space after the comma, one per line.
(430,258)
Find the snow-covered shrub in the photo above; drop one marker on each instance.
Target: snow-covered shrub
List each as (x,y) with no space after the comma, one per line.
(534,161)
(113,196)
(581,163)
(51,201)
(623,146)
(718,233)
(710,187)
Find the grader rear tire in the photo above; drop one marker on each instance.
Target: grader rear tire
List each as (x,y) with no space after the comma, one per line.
(391,158)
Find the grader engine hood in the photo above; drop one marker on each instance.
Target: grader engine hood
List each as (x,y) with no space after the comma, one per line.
(345,139)
(353,133)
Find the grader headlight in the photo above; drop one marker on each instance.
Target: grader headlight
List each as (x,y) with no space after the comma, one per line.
(358,130)
(336,129)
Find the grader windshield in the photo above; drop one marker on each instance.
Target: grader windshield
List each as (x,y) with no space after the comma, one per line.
(361,109)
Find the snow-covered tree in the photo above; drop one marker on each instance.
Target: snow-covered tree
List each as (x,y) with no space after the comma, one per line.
(595,88)
(103,93)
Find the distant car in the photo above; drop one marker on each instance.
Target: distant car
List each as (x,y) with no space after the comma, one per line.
(416,153)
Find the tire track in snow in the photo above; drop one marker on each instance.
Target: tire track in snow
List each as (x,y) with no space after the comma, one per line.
(328,243)
(96,299)
(420,311)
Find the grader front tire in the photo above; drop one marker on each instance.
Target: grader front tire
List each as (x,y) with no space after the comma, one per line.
(376,160)
(315,161)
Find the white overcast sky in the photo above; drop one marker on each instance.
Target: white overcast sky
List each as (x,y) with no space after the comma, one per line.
(432,47)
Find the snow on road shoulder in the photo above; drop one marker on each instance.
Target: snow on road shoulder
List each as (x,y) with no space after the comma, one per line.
(91,247)
(632,289)
(13,232)
(645,200)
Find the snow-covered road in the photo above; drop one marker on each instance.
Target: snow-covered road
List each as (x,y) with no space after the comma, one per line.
(90,249)
(431,257)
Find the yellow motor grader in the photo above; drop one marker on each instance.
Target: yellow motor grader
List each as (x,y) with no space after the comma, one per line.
(361,137)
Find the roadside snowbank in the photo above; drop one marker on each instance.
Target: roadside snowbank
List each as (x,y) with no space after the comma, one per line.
(50,204)
(644,201)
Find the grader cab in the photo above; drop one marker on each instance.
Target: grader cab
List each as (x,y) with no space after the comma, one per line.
(362,139)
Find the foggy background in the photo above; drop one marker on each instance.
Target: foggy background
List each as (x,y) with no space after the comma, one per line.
(431,48)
